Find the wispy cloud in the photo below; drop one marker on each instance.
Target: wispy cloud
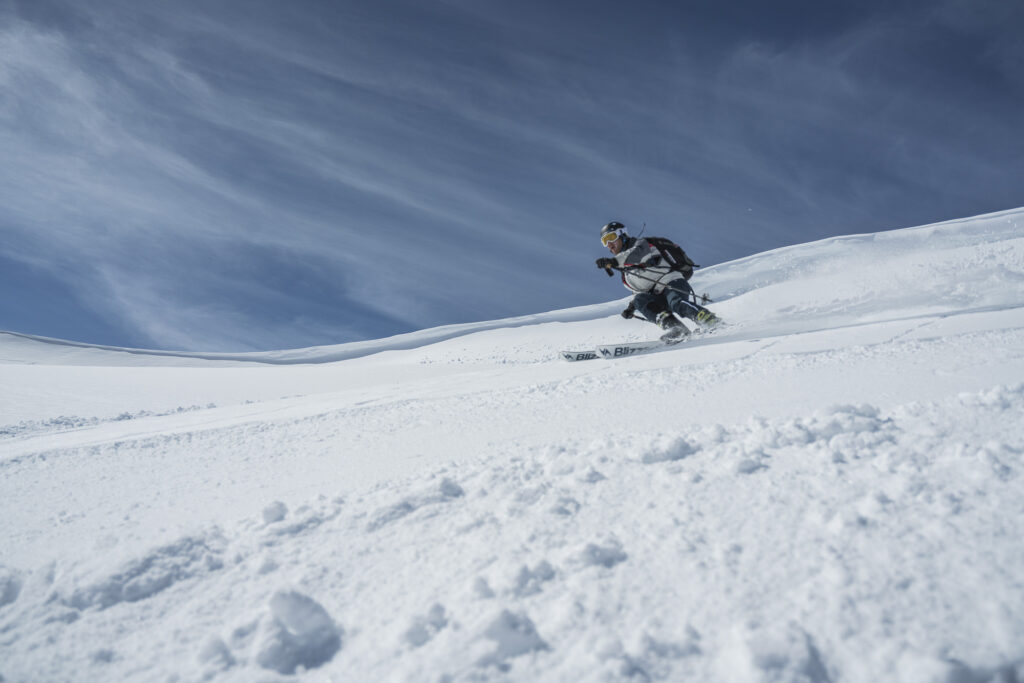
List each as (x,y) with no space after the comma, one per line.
(221,174)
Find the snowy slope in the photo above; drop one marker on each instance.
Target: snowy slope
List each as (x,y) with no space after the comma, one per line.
(829,489)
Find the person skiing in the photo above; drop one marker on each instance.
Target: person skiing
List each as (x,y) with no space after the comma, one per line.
(660,290)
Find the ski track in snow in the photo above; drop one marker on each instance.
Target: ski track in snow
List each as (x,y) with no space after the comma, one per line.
(828,490)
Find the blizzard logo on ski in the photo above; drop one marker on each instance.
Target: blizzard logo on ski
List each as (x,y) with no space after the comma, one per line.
(579,355)
(619,351)
(611,351)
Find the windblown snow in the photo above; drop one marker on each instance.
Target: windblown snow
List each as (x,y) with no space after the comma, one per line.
(831,488)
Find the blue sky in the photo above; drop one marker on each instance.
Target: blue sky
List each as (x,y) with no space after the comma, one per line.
(256,174)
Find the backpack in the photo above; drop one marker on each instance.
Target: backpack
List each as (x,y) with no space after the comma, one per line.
(673,256)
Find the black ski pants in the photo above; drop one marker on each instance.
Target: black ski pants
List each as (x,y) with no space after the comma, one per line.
(676,297)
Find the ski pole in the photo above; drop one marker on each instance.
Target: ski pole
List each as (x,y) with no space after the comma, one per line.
(704,298)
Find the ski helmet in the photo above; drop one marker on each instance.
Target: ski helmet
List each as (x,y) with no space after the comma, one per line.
(614,228)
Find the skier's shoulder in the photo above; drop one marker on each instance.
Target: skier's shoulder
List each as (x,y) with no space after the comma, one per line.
(644,248)
(637,244)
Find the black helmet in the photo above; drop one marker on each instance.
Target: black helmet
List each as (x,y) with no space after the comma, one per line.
(614,228)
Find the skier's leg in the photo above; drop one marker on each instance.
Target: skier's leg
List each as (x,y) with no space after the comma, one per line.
(679,297)
(649,305)
(655,308)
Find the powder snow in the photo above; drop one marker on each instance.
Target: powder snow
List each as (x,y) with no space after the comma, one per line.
(831,488)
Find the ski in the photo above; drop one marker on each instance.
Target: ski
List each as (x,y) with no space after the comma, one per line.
(699,337)
(622,350)
(574,356)
(611,351)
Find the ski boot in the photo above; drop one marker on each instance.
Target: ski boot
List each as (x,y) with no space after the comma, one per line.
(675,331)
(708,319)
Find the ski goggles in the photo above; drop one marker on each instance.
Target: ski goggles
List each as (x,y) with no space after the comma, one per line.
(610,237)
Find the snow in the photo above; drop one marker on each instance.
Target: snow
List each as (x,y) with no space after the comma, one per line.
(828,489)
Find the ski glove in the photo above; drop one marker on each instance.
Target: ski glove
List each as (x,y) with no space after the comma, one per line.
(628,312)
(606,263)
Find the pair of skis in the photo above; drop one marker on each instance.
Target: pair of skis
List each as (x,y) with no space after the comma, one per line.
(612,351)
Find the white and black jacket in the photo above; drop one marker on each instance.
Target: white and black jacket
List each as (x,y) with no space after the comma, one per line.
(652,277)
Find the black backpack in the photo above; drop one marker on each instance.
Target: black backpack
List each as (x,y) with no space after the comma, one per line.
(673,256)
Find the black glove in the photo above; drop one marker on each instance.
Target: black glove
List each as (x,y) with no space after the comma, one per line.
(606,263)
(628,312)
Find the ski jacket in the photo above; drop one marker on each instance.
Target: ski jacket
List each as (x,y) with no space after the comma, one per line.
(650,277)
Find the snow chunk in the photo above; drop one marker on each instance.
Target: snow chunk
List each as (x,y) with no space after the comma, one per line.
(528,581)
(651,658)
(447,491)
(664,451)
(10,586)
(482,589)
(605,556)
(749,466)
(426,627)
(776,652)
(303,521)
(215,655)
(160,569)
(298,632)
(566,506)
(267,565)
(275,512)
(515,635)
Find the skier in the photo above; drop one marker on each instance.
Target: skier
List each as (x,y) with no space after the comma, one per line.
(660,290)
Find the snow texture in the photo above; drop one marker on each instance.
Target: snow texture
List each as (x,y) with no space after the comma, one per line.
(831,488)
